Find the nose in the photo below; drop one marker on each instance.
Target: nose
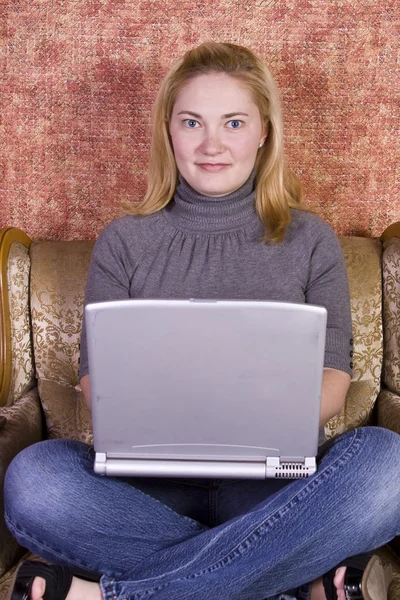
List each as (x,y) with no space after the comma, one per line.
(211,143)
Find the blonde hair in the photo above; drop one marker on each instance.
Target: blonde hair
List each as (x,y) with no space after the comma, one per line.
(277,188)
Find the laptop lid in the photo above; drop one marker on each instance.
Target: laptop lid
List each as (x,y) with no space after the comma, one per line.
(203,387)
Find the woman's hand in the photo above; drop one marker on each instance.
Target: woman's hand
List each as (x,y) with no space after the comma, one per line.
(85,385)
(335,385)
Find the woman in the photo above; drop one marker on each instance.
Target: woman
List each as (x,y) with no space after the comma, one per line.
(222,217)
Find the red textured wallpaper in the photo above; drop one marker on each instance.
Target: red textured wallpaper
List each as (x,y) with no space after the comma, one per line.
(78,77)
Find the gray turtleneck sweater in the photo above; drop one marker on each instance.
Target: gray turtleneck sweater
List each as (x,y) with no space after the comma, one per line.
(201,247)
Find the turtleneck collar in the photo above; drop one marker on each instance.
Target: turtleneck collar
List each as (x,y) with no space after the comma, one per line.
(192,211)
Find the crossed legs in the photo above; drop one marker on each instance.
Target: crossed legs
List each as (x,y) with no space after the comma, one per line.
(57,507)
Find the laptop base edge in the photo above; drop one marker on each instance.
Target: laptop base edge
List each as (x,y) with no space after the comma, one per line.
(272,467)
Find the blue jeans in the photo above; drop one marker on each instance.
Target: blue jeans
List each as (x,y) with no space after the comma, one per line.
(196,539)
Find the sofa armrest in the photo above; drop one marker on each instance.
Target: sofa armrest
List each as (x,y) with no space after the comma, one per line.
(388,410)
(16,354)
(22,428)
(388,405)
(391,309)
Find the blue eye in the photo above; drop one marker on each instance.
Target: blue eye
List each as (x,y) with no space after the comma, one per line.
(191,123)
(235,124)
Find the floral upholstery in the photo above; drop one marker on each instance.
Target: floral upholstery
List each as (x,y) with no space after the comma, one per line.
(22,374)
(388,557)
(363,262)
(389,398)
(394,590)
(58,276)
(66,413)
(23,427)
(21,414)
(389,411)
(391,314)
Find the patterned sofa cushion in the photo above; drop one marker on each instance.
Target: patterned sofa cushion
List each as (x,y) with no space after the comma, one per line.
(389,411)
(58,277)
(23,427)
(22,371)
(389,398)
(391,314)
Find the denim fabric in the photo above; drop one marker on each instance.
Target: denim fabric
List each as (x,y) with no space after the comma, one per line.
(195,539)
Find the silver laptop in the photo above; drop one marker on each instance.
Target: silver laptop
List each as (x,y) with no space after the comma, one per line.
(205,388)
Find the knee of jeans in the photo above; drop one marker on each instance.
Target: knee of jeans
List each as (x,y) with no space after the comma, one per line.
(36,482)
(379,465)
(382,451)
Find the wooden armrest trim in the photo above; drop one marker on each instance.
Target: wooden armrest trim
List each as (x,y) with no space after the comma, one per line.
(391,231)
(8,236)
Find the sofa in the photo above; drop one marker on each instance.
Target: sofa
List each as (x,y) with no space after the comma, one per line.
(41,304)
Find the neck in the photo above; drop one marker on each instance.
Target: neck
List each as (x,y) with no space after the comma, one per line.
(195,212)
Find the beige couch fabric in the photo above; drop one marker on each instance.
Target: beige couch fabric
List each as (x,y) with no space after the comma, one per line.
(66,413)
(58,277)
(389,399)
(23,428)
(389,412)
(22,375)
(391,314)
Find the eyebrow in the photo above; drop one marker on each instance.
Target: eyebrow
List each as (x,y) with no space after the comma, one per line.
(226,116)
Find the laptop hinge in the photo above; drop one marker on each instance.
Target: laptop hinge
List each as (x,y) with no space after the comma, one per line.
(100,463)
(278,468)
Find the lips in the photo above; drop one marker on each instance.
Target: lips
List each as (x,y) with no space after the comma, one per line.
(212,167)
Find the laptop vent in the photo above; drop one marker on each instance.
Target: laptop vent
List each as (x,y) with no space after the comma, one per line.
(290,469)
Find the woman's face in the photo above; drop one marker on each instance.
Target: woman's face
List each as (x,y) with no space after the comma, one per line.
(216,131)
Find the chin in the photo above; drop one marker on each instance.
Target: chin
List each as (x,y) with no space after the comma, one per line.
(213,188)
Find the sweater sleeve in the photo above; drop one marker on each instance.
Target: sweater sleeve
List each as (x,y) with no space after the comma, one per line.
(328,286)
(108,279)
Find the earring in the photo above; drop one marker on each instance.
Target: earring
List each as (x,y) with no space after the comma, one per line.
(260,145)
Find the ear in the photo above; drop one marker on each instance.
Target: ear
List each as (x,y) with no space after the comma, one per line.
(265,135)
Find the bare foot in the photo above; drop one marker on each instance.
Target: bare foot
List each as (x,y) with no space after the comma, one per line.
(87,590)
(339,583)
(318,591)
(79,590)
(38,588)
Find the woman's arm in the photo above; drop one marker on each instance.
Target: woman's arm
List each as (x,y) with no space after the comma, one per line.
(328,286)
(335,384)
(108,279)
(334,389)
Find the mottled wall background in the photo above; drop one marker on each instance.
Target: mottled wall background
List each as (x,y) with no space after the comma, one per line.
(78,78)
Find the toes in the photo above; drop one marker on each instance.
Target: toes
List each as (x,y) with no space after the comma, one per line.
(38,588)
(339,578)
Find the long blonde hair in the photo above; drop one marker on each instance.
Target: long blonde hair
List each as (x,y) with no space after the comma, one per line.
(277,187)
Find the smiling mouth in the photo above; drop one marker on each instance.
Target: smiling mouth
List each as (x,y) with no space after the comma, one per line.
(212,167)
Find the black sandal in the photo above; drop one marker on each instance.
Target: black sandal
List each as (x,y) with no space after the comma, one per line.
(366,578)
(58,580)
